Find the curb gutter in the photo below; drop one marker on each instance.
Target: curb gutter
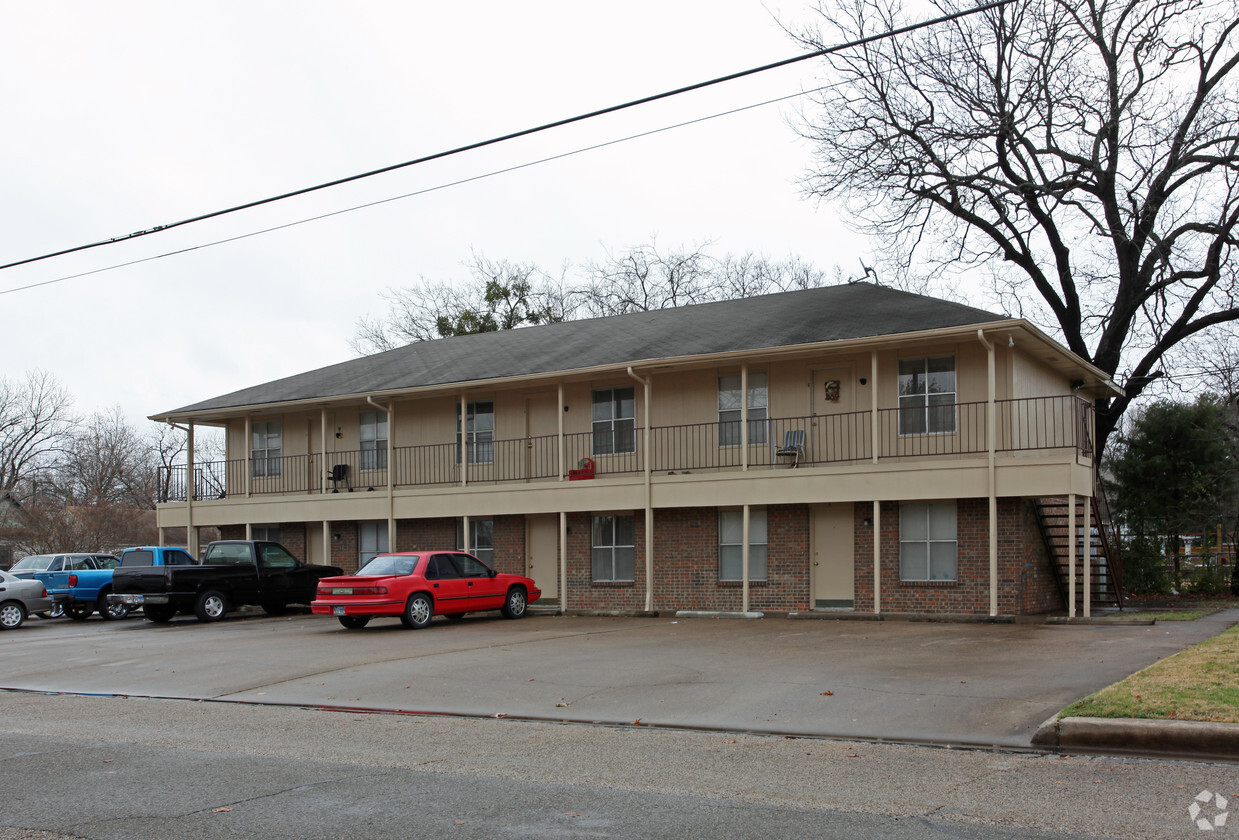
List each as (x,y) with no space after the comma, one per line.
(1182,739)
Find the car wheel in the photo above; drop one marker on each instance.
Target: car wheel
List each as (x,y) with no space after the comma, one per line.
(354,622)
(108,610)
(12,614)
(516,604)
(210,606)
(418,611)
(79,610)
(57,611)
(158,613)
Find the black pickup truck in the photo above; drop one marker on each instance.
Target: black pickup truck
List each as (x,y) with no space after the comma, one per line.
(233,573)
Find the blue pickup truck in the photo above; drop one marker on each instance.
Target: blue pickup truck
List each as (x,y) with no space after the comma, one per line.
(79,583)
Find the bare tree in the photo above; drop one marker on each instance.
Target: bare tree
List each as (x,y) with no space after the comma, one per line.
(35,425)
(107,463)
(504,295)
(1084,153)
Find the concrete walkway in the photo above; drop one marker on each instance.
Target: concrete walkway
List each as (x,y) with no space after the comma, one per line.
(966,684)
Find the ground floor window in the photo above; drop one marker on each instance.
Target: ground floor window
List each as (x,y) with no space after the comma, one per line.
(927,541)
(614,548)
(731,544)
(270,533)
(371,541)
(481,539)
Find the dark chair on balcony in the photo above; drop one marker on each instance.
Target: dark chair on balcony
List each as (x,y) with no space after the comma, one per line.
(339,473)
(793,446)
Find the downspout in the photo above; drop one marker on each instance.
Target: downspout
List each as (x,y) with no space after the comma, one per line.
(744,561)
(991,428)
(191,533)
(390,411)
(649,504)
(249,456)
(876,515)
(464,439)
(322,446)
(563,473)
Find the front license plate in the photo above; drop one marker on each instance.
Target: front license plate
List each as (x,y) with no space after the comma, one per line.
(342,591)
(337,610)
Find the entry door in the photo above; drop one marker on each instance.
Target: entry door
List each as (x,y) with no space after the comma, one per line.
(541,426)
(542,554)
(833,571)
(838,433)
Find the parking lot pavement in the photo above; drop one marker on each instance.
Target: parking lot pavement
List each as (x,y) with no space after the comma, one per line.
(948,683)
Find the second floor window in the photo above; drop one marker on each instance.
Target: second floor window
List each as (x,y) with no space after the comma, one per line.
(614,416)
(266,448)
(478,438)
(729,409)
(373,440)
(927,395)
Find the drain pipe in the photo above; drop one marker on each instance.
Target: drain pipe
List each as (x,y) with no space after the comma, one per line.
(991,428)
(649,504)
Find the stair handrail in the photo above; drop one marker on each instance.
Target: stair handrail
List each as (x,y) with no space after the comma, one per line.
(1107,531)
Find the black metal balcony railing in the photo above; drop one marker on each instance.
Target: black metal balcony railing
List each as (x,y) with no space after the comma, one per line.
(1024,425)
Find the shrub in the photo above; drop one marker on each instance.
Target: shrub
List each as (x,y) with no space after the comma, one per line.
(1144,567)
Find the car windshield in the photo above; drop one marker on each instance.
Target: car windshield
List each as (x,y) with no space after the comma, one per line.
(389,564)
(36,563)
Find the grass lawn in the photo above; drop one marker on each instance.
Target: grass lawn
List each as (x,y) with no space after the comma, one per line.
(1200,683)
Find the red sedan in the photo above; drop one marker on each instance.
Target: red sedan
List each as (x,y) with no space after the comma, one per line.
(416,585)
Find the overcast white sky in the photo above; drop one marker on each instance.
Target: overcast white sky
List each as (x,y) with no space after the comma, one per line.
(125,115)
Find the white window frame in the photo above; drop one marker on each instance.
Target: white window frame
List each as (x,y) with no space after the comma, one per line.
(929,537)
(729,409)
(731,545)
(614,421)
(479,436)
(925,407)
(481,539)
(613,547)
(372,437)
(371,540)
(266,533)
(267,449)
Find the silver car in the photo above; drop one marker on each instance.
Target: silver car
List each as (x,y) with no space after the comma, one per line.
(19,598)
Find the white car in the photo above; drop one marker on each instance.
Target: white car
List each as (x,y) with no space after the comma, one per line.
(19,598)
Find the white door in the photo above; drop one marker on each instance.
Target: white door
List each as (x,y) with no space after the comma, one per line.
(542,554)
(833,572)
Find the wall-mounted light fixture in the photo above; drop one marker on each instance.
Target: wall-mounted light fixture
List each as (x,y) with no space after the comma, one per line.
(1010,341)
(867,521)
(864,381)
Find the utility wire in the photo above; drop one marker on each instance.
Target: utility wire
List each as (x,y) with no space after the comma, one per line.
(415,193)
(522,133)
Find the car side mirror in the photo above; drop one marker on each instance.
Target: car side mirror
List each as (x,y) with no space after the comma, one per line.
(491,573)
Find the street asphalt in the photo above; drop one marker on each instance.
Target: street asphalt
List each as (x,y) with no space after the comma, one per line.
(973,684)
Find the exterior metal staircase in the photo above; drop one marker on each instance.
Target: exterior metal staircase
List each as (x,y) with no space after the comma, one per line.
(1105,567)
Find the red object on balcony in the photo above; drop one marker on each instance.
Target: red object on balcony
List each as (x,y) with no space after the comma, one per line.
(585,469)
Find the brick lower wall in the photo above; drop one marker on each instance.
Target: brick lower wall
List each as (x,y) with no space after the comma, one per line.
(687,557)
(1025,578)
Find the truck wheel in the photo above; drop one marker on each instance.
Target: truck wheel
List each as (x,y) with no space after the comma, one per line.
(354,622)
(158,613)
(418,611)
(108,610)
(210,606)
(12,614)
(79,610)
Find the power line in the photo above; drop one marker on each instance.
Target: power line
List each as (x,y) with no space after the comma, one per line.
(517,134)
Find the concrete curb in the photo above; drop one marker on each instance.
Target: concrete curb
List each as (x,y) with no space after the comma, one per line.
(717,614)
(1182,739)
(1116,620)
(940,618)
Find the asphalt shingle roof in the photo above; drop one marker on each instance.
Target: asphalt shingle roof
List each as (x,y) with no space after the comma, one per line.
(831,313)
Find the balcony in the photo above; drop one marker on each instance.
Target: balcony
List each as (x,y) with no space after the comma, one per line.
(1045,424)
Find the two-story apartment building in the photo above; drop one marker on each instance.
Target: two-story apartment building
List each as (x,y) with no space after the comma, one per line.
(851,447)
